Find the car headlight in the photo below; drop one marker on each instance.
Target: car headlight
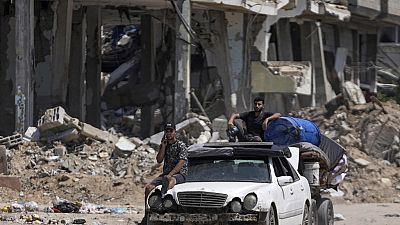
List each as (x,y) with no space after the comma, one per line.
(236,207)
(250,201)
(155,200)
(168,202)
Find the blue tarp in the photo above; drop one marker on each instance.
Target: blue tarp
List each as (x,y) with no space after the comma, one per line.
(290,130)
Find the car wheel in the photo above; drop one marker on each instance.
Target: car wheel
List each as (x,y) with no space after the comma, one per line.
(306,215)
(313,213)
(325,212)
(272,217)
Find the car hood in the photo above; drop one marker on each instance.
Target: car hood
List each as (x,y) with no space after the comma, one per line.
(237,189)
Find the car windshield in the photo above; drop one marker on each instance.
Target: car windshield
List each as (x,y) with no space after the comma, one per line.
(232,170)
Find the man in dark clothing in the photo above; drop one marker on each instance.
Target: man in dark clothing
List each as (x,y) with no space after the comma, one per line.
(174,154)
(255,121)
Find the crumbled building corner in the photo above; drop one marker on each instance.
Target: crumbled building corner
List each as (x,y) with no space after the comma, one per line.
(370,134)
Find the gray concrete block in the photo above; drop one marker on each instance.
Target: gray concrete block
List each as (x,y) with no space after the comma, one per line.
(220,125)
(53,118)
(11,141)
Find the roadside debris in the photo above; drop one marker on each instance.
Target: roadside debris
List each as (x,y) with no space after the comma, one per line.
(66,157)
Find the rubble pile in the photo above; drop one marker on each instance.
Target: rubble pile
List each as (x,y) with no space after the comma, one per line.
(370,133)
(74,160)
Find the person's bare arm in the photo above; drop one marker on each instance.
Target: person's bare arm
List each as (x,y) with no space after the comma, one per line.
(177,168)
(161,151)
(232,119)
(273,117)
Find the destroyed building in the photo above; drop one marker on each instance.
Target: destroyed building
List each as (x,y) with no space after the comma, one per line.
(162,59)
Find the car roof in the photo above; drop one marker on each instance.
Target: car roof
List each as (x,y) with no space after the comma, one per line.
(238,149)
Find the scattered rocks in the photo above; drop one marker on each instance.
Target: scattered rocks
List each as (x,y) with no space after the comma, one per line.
(371,138)
(362,162)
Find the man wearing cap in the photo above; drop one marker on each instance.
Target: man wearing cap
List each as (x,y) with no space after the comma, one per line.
(174,154)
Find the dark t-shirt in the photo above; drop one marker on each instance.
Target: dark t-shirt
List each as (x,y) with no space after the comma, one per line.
(253,123)
(173,153)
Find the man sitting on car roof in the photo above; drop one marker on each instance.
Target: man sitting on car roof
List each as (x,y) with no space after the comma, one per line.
(255,121)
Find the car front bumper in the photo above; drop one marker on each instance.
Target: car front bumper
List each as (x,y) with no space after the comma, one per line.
(202,217)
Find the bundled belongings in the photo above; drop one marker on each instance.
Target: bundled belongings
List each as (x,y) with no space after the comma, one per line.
(290,130)
(330,158)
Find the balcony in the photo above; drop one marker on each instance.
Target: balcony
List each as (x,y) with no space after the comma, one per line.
(393,7)
(281,77)
(366,8)
(266,7)
(391,11)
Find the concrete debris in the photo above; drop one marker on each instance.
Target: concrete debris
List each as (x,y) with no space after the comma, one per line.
(11,141)
(362,162)
(56,124)
(124,147)
(354,93)
(371,137)
(386,181)
(195,129)
(339,217)
(220,125)
(60,151)
(32,134)
(119,159)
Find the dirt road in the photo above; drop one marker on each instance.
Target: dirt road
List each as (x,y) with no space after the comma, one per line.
(368,214)
(354,214)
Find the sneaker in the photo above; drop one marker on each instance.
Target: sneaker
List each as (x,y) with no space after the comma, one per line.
(165,184)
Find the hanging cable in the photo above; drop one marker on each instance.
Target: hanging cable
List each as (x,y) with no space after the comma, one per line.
(187,26)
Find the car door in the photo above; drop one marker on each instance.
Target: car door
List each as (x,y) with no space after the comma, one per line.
(292,208)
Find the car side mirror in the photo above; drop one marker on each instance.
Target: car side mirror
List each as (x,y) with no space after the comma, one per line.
(285,180)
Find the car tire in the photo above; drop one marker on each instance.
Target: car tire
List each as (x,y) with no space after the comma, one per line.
(313,213)
(325,212)
(272,218)
(306,215)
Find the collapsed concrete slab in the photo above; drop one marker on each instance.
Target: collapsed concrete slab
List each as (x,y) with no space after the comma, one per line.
(354,93)
(124,147)
(56,124)
(32,134)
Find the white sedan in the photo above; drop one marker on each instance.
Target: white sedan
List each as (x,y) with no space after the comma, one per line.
(235,183)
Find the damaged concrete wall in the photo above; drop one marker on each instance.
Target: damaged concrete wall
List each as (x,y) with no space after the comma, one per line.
(61,50)
(24,15)
(43,43)
(7,68)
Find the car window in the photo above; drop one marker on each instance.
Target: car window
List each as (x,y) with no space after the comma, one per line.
(282,167)
(241,170)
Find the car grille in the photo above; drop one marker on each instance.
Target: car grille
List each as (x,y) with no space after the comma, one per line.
(202,199)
